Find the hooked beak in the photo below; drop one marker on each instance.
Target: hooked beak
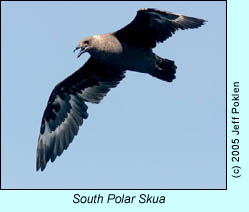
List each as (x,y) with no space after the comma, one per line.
(82,49)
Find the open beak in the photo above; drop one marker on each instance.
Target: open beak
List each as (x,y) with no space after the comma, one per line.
(82,50)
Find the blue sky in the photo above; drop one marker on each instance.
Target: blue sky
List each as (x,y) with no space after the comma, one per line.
(146,133)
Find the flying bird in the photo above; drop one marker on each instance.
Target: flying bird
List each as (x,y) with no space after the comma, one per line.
(111,55)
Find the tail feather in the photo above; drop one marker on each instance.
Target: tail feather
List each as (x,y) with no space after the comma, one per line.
(165,69)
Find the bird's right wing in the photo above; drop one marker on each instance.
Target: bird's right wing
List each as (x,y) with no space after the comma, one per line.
(66,107)
(151,26)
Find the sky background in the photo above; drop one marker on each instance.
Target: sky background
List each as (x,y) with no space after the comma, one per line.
(146,133)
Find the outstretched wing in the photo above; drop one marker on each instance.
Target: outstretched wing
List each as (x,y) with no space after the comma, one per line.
(66,108)
(151,26)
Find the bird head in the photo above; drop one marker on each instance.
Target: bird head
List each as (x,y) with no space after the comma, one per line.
(84,46)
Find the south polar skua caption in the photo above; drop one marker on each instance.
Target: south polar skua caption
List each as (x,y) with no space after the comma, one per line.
(117,199)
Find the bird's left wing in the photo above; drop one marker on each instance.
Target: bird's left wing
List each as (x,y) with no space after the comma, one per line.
(152,25)
(66,108)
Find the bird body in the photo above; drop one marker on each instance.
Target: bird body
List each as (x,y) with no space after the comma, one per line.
(112,54)
(110,51)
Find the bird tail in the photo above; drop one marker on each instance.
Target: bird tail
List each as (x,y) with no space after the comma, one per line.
(165,69)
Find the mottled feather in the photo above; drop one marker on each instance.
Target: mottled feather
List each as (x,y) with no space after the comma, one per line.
(66,108)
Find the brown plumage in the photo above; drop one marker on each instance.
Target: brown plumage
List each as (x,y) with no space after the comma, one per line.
(129,48)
